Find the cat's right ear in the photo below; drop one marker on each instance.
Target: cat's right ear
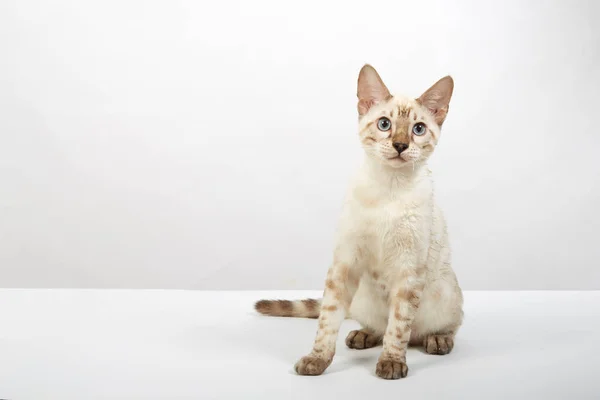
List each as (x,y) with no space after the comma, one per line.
(371,89)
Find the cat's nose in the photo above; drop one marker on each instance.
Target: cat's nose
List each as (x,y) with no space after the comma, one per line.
(400,147)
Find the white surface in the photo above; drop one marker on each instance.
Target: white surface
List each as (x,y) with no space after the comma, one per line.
(85,344)
(191,144)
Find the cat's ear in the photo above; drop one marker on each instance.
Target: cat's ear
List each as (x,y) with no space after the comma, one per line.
(371,89)
(437,98)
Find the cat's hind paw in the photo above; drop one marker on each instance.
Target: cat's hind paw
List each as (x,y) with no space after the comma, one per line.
(439,344)
(362,340)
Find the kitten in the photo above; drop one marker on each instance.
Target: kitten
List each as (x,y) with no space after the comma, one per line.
(391,263)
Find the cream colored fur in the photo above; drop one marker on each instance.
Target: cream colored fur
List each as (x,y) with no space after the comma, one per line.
(391,267)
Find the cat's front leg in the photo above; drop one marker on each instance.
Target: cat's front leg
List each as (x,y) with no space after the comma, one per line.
(403,301)
(340,286)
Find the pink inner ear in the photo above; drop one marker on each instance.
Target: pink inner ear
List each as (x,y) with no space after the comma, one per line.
(439,114)
(432,110)
(364,106)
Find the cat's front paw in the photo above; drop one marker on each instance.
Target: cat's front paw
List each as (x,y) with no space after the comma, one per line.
(390,369)
(310,365)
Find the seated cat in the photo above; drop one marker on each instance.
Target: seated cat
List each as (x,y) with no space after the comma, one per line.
(391,267)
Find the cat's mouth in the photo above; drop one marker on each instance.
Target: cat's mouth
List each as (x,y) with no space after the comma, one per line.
(397,157)
(398,161)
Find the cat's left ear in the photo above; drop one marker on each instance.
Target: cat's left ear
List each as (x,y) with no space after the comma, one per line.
(437,98)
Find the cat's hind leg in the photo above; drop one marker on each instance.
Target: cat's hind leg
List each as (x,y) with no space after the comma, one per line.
(439,344)
(439,318)
(370,311)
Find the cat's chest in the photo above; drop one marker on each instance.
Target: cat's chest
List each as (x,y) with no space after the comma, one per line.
(389,217)
(390,229)
(385,219)
(381,219)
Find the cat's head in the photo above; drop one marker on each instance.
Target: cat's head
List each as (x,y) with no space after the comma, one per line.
(399,131)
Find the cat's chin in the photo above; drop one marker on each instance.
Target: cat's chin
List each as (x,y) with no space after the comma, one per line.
(397,162)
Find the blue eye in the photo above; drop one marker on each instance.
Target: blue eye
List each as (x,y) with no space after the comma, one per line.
(419,129)
(384,124)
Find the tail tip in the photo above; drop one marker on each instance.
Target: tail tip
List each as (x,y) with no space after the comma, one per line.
(264,307)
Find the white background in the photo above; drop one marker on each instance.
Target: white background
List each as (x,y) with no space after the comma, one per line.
(207,145)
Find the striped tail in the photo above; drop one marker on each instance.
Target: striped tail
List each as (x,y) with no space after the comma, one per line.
(307,308)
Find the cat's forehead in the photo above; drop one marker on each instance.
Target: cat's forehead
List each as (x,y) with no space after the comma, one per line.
(399,107)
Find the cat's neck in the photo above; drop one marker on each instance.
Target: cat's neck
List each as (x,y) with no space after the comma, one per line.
(378,174)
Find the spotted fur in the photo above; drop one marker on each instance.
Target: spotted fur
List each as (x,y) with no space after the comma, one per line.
(391,268)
